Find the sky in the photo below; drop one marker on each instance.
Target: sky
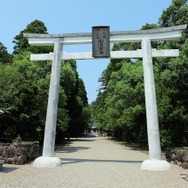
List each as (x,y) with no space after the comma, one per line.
(75,16)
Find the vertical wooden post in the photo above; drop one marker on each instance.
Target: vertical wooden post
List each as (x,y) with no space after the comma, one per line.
(48,159)
(51,116)
(154,162)
(151,103)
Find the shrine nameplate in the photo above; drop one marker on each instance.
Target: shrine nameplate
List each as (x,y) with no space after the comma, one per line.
(101,41)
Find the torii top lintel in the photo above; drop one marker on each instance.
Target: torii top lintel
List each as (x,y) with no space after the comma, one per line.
(166,33)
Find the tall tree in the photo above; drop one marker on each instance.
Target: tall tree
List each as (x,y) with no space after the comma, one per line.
(21,43)
(173,78)
(76,99)
(175,14)
(5,57)
(24,98)
(9,100)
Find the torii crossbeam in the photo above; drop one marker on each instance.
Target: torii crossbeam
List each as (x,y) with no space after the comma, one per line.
(146,53)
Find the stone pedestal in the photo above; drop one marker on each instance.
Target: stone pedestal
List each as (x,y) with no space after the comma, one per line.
(155,165)
(43,162)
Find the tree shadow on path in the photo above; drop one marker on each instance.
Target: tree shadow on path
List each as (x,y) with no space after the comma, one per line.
(74,160)
(8,169)
(67,148)
(70,149)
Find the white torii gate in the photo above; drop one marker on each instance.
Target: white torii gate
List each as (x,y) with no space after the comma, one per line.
(146,52)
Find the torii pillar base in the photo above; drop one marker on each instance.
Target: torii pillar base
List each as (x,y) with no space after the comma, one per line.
(155,165)
(47,162)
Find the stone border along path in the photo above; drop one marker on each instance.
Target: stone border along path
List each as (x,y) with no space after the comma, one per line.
(93,162)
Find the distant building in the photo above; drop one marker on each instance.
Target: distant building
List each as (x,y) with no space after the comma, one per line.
(94,128)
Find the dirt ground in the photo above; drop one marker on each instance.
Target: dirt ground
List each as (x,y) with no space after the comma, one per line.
(94,162)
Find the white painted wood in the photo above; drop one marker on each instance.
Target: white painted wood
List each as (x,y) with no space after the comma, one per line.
(151,104)
(138,37)
(51,116)
(86,55)
(165,53)
(113,38)
(154,163)
(167,33)
(113,55)
(41,57)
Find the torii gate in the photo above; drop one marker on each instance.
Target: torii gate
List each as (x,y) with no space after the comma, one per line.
(146,53)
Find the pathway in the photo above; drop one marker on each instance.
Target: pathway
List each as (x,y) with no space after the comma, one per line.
(93,162)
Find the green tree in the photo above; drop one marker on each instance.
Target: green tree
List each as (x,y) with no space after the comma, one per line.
(21,43)
(25,93)
(32,93)
(5,57)
(119,108)
(9,100)
(175,14)
(125,111)
(76,99)
(172,80)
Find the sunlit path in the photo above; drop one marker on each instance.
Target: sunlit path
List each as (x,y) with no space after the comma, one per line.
(90,161)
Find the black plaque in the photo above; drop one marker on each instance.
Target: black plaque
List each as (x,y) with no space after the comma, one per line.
(101,41)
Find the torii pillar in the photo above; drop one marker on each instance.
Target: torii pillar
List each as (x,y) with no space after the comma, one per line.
(146,53)
(154,162)
(48,159)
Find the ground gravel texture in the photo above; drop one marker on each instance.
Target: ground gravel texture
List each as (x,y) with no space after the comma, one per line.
(93,162)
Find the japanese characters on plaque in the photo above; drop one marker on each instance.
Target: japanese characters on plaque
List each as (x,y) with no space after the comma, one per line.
(101,41)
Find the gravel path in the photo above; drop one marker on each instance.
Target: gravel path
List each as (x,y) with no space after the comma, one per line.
(93,162)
